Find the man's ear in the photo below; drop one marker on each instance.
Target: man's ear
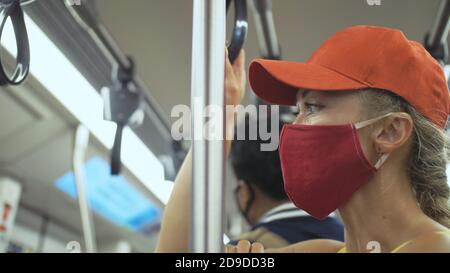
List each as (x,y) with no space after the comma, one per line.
(393,132)
(244,191)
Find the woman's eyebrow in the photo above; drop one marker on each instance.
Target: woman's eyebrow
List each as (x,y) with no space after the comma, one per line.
(301,94)
(318,95)
(305,93)
(311,94)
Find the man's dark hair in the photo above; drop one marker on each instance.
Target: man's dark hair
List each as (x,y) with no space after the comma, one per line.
(261,169)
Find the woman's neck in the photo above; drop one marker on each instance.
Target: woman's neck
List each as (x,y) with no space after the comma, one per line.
(383,213)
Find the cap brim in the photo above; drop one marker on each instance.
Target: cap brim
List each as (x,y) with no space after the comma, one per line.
(278,82)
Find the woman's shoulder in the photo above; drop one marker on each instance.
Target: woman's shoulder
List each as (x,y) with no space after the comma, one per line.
(436,242)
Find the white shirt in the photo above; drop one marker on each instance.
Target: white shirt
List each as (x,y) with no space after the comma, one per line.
(283,211)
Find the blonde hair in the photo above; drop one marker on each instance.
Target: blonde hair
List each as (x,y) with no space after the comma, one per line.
(430,154)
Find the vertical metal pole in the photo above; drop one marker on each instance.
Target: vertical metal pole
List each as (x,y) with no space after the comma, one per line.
(81,143)
(208,62)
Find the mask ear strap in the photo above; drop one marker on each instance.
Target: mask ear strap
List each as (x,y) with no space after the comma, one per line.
(362,124)
(381,161)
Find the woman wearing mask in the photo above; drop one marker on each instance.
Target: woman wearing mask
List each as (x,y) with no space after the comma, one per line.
(368,140)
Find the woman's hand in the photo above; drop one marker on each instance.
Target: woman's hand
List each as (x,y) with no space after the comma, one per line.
(235,79)
(245,246)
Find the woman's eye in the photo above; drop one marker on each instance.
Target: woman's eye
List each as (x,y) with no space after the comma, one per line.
(296,110)
(306,110)
(312,108)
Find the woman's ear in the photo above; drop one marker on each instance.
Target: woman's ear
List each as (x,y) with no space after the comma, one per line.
(393,132)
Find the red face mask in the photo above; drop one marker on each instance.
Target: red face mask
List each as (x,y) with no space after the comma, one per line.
(323,165)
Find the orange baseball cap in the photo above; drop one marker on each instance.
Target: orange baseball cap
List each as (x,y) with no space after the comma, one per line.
(355,58)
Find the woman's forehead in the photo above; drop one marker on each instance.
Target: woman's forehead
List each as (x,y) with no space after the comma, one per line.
(305,93)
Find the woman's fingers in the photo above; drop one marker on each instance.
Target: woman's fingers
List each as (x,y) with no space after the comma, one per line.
(239,68)
(228,67)
(257,248)
(244,246)
(230,249)
(235,79)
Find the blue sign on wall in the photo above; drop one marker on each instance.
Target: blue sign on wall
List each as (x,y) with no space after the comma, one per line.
(112,197)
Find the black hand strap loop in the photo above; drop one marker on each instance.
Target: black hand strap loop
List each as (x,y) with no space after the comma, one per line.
(12,9)
(240,28)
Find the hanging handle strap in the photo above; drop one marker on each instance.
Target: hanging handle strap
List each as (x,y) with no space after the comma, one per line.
(240,28)
(115,152)
(12,9)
